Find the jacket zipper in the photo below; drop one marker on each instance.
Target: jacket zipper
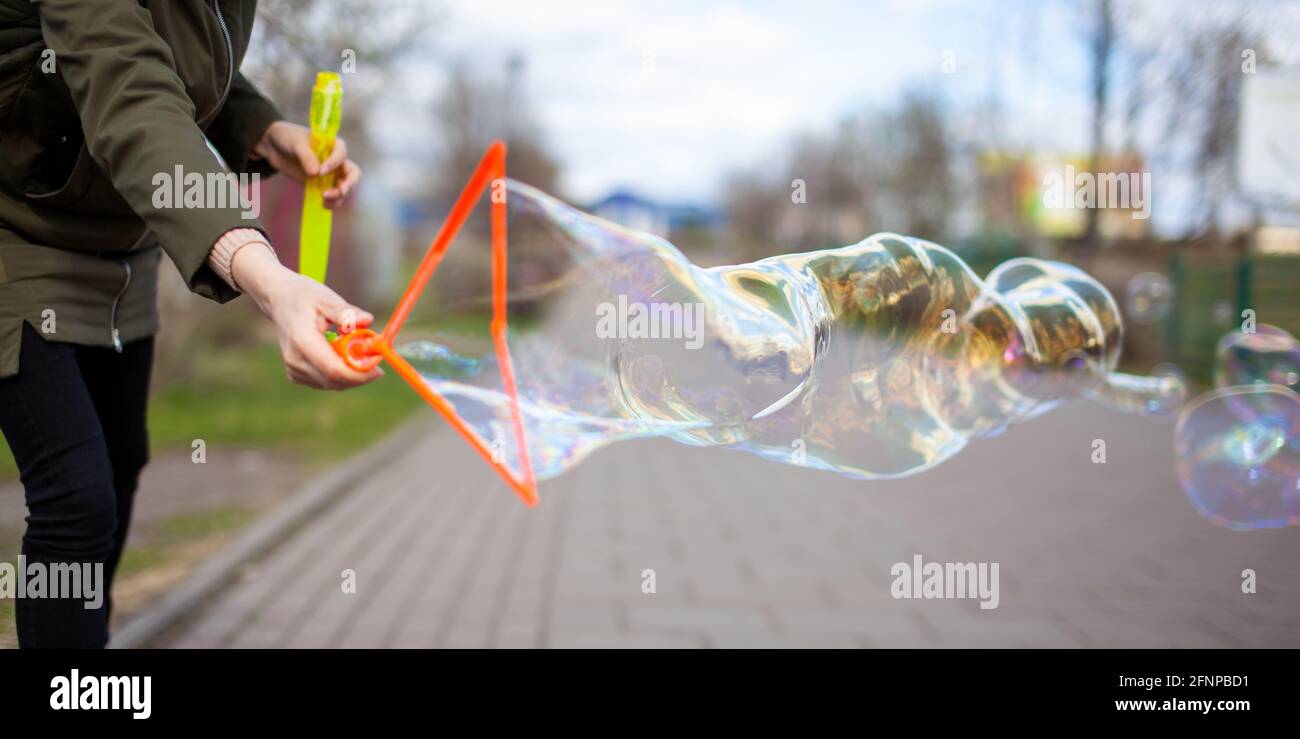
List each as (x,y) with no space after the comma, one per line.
(230,81)
(112,319)
(230,57)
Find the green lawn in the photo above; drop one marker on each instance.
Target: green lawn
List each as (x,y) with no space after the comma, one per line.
(240,397)
(168,536)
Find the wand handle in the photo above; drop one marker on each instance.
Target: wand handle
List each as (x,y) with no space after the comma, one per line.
(317,220)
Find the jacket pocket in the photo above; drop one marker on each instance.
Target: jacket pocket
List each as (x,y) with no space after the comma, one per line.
(47,159)
(39,135)
(86,189)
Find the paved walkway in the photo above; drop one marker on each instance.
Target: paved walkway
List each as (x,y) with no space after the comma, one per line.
(751,553)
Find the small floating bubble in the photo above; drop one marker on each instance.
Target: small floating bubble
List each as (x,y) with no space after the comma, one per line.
(1149,296)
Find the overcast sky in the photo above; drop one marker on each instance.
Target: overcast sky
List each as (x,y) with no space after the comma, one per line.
(667,97)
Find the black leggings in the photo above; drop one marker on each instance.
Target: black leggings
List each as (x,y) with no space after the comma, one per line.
(74,417)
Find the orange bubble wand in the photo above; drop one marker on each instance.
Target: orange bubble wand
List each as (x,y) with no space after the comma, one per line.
(363,349)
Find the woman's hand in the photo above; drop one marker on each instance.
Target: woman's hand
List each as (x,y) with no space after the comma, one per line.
(301,310)
(287,147)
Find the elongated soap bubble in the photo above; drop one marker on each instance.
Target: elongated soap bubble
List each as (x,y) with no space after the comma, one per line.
(875,360)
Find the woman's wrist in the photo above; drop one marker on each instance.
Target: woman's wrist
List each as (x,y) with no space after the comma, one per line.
(222,255)
(262,149)
(257,272)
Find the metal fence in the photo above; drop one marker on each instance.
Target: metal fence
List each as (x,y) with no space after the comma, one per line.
(1211,292)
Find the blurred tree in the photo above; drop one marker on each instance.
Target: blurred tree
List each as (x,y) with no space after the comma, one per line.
(918,176)
(890,169)
(1185,72)
(752,203)
(1101,47)
(824,193)
(475,109)
(365,39)
(1208,84)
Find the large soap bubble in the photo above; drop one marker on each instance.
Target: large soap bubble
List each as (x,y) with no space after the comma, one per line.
(1238,447)
(874,360)
(1238,451)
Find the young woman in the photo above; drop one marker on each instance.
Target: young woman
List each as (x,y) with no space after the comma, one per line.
(99,102)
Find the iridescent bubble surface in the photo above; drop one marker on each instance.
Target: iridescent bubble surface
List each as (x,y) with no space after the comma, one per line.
(875,360)
(1148,297)
(1238,447)
(1238,452)
(1268,356)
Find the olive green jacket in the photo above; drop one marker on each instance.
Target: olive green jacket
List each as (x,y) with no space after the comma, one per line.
(97,101)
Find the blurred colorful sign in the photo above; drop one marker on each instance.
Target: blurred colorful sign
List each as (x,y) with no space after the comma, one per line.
(1050,195)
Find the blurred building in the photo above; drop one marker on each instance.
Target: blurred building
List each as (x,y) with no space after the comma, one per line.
(1277,240)
(662,219)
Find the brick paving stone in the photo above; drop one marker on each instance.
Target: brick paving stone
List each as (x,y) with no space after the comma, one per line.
(748,553)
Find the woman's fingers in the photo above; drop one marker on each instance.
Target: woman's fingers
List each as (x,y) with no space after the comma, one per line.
(298,377)
(338,163)
(326,369)
(302,312)
(338,155)
(322,357)
(344,182)
(305,156)
(347,317)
